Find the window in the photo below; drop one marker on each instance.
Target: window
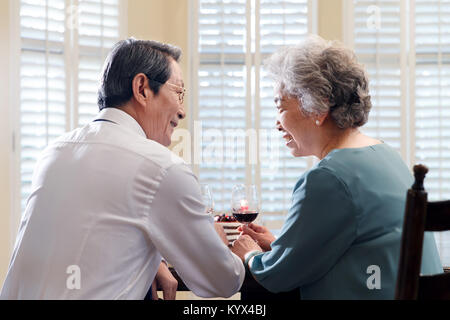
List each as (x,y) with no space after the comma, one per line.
(377,42)
(404,45)
(63,44)
(432,96)
(233,99)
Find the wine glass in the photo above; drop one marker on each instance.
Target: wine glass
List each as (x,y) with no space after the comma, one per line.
(244,203)
(208,199)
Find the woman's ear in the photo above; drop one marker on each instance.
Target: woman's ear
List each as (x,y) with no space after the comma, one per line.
(321,118)
(141,89)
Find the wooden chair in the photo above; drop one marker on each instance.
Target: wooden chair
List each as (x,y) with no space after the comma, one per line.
(420,216)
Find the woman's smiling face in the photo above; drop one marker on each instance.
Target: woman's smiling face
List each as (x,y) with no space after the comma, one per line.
(296,125)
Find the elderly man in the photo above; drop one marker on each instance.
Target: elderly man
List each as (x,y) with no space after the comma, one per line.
(109,200)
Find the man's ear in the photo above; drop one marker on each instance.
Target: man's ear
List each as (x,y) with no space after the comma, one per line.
(141,89)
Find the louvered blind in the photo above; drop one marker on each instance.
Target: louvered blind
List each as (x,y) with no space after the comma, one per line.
(98,32)
(42,82)
(432,92)
(281,23)
(222,96)
(235,99)
(46,109)
(411,93)
(432,102)
(377,35)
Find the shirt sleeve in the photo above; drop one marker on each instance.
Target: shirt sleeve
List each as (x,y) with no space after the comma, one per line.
(184,235)
(320,226)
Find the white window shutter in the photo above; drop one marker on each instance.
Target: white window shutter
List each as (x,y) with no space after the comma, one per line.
(432,102)
(432,94)
(42,82)
(46,109)
(412,94)
(98,32)
(221,95)
(234,38)
(377,45)
(282,23)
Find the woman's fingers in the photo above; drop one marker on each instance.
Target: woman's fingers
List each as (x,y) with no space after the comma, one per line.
(248,230)
(257,228)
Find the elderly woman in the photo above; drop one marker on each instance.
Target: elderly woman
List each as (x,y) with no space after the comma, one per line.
(341,238)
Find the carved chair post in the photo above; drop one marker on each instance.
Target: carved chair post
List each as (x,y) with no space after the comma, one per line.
(411,250)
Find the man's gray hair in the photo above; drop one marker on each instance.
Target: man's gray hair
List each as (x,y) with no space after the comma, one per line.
(128,58)
(324,76)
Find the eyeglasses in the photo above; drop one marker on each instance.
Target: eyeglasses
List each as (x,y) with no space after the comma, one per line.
(179,93)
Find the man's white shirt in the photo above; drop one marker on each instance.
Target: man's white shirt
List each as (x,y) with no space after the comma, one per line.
(106,204)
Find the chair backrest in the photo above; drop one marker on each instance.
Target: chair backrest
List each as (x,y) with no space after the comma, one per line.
(421,216)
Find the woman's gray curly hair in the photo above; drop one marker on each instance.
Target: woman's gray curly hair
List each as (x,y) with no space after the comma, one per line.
(324,76)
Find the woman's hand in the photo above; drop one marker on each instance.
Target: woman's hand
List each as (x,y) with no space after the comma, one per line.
(166,281)
(262,236)
(244,244)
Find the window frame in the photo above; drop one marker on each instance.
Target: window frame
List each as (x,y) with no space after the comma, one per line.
(252,60)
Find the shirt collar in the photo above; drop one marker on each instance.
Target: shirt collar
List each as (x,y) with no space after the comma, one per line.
(121,118)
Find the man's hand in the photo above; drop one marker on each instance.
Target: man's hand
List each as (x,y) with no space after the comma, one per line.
(166,281)
(221,233)
(262,236)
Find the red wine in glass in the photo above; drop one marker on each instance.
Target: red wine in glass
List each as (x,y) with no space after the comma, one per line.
(245,217)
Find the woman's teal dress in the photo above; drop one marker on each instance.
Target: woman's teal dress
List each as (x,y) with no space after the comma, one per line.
(341,238)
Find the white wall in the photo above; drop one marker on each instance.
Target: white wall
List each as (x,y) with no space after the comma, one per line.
(164,21)
(330,25)
(5,140)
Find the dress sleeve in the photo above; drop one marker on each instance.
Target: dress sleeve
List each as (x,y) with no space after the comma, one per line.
(320,226)
(184,235)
